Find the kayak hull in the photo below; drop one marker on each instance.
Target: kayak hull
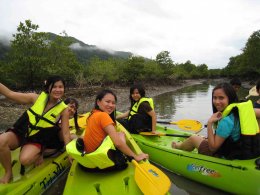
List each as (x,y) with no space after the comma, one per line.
(36,180)
(226,175)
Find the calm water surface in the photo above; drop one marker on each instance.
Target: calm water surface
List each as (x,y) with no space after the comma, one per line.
(188,103)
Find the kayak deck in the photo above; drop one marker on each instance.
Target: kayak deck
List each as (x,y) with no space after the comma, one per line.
(35,179)
(99,183)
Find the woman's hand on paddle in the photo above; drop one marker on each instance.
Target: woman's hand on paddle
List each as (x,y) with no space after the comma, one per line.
(154,132)
(141,156)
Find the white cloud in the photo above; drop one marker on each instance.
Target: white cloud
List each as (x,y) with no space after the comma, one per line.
(202,31)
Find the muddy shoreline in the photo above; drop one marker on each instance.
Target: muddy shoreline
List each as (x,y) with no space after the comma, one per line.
(10,111)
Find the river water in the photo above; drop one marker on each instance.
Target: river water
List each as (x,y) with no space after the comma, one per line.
(188,103)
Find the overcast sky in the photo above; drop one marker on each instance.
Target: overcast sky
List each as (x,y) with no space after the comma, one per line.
(202,31)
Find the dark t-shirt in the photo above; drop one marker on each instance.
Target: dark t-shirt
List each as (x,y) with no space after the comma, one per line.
(144,108)
(256,105)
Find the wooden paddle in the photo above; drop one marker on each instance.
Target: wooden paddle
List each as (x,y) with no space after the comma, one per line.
(163,134)
(185,124)
(252,92)
(150,179)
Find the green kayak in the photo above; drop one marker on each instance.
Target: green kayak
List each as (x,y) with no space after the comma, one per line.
(35,180)
(234,176)
(130,181)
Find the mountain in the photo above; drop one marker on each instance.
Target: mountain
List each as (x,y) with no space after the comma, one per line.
(83,51)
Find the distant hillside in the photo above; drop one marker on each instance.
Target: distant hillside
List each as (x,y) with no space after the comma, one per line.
(83,51)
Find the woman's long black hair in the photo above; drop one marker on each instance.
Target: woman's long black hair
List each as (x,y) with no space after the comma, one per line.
(75,116)
(100,96)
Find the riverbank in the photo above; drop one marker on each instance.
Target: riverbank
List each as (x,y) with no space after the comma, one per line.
(10,111)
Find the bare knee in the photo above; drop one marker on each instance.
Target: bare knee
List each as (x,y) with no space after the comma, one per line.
(196,140)
(26,160)
(8,140)
(3,141)
(29,154)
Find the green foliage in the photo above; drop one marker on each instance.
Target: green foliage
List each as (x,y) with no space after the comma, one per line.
(26,56)
(33,57)
(246,64)
(164,60)
(252,54)
(134,69)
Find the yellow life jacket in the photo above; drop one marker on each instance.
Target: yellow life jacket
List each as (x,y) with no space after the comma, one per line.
(39,120)
(247,117)
(135,107)
(248,145)
(95,159)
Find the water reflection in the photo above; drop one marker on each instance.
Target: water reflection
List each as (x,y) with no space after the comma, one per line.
(188,103)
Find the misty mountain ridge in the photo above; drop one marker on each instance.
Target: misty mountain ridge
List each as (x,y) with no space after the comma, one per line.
(83,51)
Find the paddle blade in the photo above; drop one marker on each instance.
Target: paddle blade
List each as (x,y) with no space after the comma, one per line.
(253,92)
(188,124)
(82,121)
(150,179)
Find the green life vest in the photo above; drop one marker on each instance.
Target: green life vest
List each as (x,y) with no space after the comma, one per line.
(39,120)
(247,117)
(135,107)
(95,159)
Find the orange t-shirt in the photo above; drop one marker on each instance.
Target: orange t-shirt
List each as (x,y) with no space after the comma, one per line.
(94,134)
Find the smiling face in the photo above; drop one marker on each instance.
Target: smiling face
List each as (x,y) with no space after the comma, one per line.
(220,99)
(72,109)
(107,103)
(136,96)
(57,91)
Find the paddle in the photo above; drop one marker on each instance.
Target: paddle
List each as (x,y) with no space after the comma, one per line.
(163,134)
(150,179)
(185,124)
(82,121)
(252,92)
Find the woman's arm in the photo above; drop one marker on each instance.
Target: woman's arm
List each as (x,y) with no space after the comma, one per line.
(257,113)
(119,141)
(65,126)
(22,98)
(153,116)
(214,141)
(123,115)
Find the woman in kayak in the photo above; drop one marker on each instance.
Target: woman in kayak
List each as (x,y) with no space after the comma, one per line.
(141,116)
(227,139)
(37,128)
(101,125)
(73,105)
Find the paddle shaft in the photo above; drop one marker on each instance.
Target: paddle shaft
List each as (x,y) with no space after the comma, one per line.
(165,122)
(175,135)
